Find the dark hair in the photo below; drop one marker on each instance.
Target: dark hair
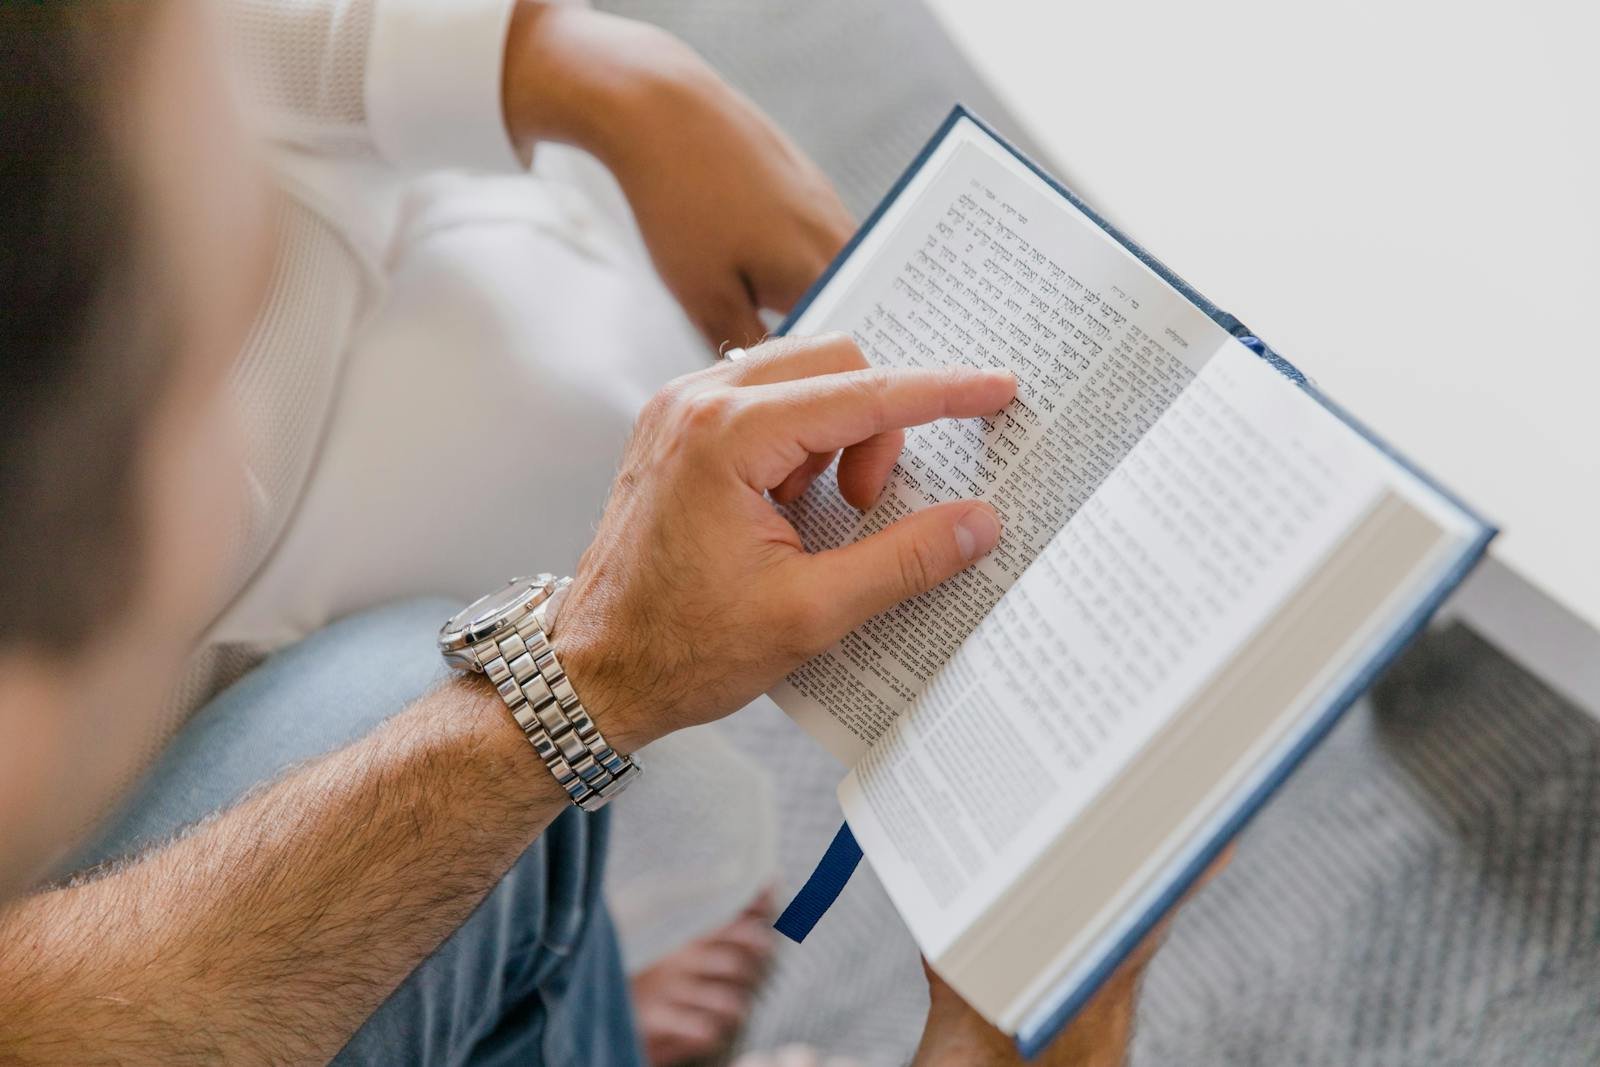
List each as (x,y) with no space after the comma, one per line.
(81,330)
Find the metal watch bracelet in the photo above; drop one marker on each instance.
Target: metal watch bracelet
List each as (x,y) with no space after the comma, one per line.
(523,667)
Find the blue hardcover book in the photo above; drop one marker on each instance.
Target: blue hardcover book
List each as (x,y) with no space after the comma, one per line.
(1205,561)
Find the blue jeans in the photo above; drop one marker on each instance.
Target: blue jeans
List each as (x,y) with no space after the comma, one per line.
(532,977)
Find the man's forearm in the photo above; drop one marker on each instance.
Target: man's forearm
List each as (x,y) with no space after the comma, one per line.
(270,932)
(590,79)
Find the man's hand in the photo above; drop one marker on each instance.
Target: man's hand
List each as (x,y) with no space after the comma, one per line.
(735,216)
(697,595)
(957,1036)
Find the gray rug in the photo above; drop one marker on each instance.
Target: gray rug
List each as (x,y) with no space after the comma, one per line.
(1425,890)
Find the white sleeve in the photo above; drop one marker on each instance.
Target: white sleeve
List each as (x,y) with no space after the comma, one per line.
(416,82)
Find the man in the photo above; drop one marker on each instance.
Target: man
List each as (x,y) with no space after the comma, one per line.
(304,921)
(426,281)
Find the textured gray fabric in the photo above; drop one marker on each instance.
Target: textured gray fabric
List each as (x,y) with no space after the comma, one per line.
(1424,891)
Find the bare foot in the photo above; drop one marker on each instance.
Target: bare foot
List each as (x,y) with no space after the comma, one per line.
(690,1004)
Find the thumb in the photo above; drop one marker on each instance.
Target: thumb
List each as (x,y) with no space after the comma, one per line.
(909,558)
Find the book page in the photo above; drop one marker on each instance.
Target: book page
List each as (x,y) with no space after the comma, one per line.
(1225,507)
(979,261)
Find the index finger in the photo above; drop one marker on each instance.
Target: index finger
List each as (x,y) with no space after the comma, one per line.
(834,411)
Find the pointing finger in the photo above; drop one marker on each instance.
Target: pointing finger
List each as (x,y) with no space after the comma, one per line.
(784,359)
(823,414)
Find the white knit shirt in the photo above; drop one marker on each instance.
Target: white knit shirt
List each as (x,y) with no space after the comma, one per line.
(440,384)
(430,298)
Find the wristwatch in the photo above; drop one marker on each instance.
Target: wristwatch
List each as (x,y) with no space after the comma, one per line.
(505,635)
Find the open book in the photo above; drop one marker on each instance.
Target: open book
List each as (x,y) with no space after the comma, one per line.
(1203,563)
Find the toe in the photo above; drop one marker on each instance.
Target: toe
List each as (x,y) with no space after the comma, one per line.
(676,1036)
(723,1002)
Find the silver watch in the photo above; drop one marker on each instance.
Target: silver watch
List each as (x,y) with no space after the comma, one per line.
(505,636)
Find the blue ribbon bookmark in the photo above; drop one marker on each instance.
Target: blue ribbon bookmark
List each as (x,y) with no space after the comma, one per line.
(822,888)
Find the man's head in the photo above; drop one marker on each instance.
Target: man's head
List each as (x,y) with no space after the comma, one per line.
(133,252)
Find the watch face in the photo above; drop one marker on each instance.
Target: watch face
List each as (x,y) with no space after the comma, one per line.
(481,615)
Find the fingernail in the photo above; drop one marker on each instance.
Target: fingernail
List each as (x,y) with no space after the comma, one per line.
(977,532)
